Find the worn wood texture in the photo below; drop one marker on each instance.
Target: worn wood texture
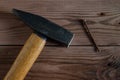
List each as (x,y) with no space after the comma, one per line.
(103,18)
(79,62)
(57,63)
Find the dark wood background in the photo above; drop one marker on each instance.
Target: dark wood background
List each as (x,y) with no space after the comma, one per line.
(79,61)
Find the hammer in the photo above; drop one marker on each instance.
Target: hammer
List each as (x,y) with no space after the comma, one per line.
(42,29)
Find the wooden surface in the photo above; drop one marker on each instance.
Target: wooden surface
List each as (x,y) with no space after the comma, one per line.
(79,61)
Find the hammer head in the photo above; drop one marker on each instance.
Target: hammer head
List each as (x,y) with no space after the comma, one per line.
(45,27)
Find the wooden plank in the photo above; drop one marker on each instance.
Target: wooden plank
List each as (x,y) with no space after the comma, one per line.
(60,63)
(102,17)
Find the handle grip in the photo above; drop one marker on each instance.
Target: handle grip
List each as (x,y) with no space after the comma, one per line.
(26,58)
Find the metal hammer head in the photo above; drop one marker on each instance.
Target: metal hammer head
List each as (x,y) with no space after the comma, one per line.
(45,27)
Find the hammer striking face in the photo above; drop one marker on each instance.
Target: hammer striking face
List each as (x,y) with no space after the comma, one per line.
(35,43)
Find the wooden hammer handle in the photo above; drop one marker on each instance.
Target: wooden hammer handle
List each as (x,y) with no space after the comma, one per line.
(26,58)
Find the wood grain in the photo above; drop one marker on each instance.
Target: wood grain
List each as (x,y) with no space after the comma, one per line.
(58,63)
(79,62)
(103,19)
